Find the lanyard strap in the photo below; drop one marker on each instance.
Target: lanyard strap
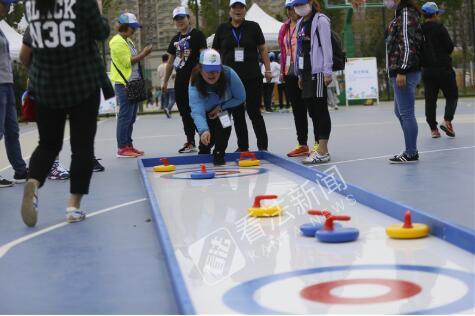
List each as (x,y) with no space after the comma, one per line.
(236,37)
(290,37)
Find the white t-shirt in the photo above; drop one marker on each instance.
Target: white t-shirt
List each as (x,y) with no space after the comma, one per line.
(161,75)
(275,69)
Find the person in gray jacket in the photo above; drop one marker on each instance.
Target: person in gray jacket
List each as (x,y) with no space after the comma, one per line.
(8,115)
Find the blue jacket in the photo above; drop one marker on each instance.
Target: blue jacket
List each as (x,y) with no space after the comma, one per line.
(234,96)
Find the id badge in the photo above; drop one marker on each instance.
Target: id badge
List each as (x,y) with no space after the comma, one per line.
(287,61)
(301,62)
(239,55)
(225,119)
(177,62)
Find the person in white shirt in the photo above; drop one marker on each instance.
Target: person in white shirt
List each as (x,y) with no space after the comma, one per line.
(167,99)
(269,86)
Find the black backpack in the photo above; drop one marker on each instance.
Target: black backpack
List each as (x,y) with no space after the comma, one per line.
(339,56)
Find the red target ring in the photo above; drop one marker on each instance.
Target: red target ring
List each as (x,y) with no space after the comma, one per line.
(399,290)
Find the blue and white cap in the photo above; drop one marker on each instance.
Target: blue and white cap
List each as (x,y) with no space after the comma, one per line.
(233,2)
(431,8)
(179,11)
(210,60)
(289,4)
(296,3)
(130,19)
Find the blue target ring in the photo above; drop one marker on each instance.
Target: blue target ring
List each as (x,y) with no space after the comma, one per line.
(241,297)
(221,173)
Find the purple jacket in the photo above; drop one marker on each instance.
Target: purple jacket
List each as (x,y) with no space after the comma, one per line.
(321,56)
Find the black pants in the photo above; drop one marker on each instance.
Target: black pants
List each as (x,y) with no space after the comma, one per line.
(282,94)
(83,125)
(219,138)
(299,109)
(253,99)
(268,92)
(318,111)
(183,103)
(436,79)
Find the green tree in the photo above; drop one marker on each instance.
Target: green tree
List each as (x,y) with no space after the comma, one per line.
(14,17)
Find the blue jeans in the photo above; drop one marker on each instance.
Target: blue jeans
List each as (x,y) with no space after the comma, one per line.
(9,127)
(167,100)
(404,103)
(126,118)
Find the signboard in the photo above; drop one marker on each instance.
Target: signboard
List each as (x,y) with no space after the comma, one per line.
(361,79)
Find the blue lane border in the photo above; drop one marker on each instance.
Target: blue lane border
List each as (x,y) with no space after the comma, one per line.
(241,297)
(182,297)
(456,235)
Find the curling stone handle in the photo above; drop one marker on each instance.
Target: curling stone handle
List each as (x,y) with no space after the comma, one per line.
(248,154)
(165,161)
(259,198)
(325,213)
(203,168)
(329,221)
(407,220)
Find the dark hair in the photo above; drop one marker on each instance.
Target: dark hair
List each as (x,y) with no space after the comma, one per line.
(428,16)
(316,5)
(165,57)
(123,27)
(411,3)
(197,81)
(45,6)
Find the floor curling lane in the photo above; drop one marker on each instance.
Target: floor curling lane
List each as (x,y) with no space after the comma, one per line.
(233,263)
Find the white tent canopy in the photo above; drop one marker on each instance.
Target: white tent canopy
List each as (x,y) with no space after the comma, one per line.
(14,39)
(270,26)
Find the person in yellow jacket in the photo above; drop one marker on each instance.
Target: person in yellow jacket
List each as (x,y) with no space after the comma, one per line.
(125,64)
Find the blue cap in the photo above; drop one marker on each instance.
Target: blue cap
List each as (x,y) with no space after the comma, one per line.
(271,56)
(128,18)
(296,3)
(289,4)
(7,2)
(431,8)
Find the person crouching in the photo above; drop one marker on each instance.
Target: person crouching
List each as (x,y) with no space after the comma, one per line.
(214,89)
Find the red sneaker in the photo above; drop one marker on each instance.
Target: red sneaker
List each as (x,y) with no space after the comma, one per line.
(299,151)
(435,133)
(137,151)
(126,152)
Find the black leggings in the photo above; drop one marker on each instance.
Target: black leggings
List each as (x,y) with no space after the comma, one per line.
(219,138)
(253,99)
(268,92)
(183,103)
(436,79)
(83,125)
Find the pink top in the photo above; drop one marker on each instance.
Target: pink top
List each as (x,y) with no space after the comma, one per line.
(287,47)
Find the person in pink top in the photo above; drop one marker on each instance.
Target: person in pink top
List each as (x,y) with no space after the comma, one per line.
(287,45)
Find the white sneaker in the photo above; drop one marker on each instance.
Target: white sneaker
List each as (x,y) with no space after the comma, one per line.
(29,205)
(315,158)
(74,215)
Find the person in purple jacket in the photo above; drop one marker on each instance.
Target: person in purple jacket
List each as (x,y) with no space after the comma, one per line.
(313,64)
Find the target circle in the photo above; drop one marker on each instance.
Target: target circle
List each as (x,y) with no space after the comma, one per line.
(398,290)
(219,173)
(244,297)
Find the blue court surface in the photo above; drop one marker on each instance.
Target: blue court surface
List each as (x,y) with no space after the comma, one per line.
(157,243)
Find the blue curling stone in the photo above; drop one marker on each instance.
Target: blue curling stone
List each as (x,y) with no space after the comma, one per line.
(202,175)
(309,229)
(337,235)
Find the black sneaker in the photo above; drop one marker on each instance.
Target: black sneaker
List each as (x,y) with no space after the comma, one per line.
(4,183)
(21,177)
(218,160)
(188,148)
(404,158)
(97,166)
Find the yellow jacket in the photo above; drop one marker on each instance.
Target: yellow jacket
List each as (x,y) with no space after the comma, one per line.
(121,55)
